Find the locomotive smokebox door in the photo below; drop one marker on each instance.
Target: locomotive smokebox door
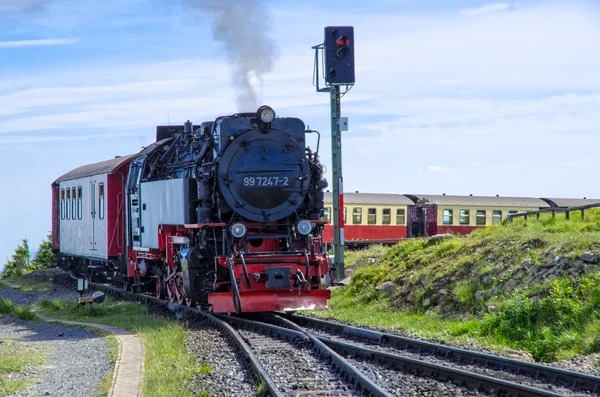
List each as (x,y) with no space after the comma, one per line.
(265,176)
(278,277)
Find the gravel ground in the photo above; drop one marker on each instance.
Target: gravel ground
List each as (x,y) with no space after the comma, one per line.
(77,358)
(229,377)
(63,287)
(589,364)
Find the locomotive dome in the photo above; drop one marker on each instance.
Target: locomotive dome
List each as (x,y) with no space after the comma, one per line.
(263,173)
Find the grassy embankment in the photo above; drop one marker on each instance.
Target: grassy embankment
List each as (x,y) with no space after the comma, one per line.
(524,285)
(167,363)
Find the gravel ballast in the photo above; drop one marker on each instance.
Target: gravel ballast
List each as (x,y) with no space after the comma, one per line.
(229,377)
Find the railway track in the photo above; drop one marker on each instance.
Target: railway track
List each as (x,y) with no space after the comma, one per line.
(330,359)
(473,369)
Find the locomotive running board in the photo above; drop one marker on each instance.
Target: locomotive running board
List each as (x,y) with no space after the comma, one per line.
(267,301)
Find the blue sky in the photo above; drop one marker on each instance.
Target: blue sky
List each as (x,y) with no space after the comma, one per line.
(451,96)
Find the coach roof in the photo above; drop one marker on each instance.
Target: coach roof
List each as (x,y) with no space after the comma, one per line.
(483,201)
(103,167)
(372,198)
(570,202)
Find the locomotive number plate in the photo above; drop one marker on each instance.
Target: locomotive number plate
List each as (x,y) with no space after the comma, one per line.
(266,181)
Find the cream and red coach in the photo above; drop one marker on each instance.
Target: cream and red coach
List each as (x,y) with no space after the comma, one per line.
(377,218)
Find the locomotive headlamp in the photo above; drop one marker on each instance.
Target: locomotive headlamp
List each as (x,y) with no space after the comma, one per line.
(238,230)
(304,227)
(266,114)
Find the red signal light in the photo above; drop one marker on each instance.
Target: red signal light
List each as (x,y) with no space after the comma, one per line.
(344,40)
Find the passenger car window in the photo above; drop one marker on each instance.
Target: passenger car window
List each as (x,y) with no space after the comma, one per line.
(62,203)
(480,218)
(372,216)
(79,202)
(326,214)
(400,216)
(496,217)
(386,218)
(356,216)
(464,217)
(67,203)
(448,217)
(73,202)
(101,201)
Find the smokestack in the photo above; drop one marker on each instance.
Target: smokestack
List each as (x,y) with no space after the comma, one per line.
(241,26)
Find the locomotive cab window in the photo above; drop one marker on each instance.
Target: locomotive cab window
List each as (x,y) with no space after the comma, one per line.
(67,203)
(372,216)
(356,216)
(496,217)
(79,198)
(480,218)
(448,217)
(62,203)
(464,217)
(73,202)
(101,200)
(327,214)
(387,216)
(400,216)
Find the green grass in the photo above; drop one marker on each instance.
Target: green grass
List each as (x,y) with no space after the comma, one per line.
(16,357)
(167,363)
(439,283)
(261,388)
(23,312)
(6,306)
(113,355)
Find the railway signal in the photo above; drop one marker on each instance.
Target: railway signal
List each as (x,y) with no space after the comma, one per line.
(338,55)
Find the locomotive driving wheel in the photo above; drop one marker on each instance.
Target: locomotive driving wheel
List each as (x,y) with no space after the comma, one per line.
(171,290)
(160,287)
(180,292)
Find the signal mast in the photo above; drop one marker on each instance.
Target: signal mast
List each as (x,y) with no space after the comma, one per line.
(338,71)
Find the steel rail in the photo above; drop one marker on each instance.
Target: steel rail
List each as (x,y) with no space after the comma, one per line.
(459,377)
(231,334)
(352,374)
(570,379)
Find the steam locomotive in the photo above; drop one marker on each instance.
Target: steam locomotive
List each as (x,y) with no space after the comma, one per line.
(225,215)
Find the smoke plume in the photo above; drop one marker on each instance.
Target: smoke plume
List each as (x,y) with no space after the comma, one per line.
(241,25)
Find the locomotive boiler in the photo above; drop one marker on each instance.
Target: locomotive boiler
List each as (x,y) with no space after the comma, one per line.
(225,214)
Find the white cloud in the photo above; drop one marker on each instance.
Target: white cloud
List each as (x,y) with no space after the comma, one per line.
(36,43)
(486,9)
